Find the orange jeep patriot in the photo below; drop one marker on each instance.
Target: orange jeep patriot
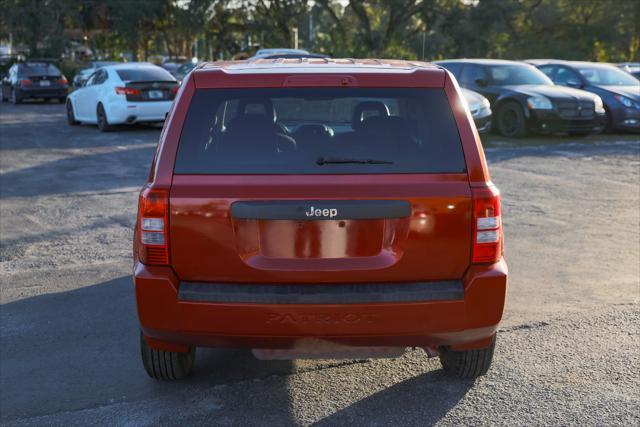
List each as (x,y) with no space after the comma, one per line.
(318,208)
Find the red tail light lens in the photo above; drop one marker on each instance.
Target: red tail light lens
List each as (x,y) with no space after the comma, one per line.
(127,91)
(25,82)
(153,219)
(487,225)
(174,90)
(62,81)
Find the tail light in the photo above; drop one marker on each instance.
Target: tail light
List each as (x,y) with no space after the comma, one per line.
(127,91)
(174,90)
(25,82)
(153,218)
(487,225)
(62,81)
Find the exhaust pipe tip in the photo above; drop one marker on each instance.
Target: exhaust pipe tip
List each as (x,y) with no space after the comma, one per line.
(131,119)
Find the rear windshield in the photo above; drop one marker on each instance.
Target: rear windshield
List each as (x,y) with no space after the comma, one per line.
(145,75)
(319,131)
(39,69)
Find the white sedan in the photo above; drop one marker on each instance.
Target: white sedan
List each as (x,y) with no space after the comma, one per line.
(123,94)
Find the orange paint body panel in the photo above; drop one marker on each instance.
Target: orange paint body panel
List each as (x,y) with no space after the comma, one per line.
(412,238)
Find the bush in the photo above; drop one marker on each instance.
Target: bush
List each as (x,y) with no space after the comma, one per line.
(70,68)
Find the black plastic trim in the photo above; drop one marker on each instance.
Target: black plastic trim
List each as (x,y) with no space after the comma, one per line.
(301,210)
(321,294)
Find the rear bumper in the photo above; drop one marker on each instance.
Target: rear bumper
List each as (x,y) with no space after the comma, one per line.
(465,319)
(134,112)
(42,92)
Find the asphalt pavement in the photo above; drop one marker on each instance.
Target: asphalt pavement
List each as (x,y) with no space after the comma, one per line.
(568,351)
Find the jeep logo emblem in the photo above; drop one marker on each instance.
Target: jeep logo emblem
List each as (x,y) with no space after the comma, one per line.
(325,213)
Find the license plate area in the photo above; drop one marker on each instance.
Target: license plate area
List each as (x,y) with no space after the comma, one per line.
(156,94)
(45,83)
(320,239)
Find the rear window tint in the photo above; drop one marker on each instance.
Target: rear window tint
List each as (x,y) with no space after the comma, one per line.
(39,69)
(145,75)
(319,131)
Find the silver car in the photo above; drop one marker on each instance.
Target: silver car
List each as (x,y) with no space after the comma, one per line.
(480,109)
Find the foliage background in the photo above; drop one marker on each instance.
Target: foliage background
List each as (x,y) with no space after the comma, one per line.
(602,30)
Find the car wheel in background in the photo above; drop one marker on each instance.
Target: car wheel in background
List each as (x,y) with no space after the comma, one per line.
(103,122)
(71,117)
(468,364)
(15,97)
(166,365)
(510,120)
(62,99)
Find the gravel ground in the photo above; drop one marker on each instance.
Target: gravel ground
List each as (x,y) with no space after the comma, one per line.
(568,351)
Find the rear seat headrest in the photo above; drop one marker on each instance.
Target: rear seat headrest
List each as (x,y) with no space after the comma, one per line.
(358,112)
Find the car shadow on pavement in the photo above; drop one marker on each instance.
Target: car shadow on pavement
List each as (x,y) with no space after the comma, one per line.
(75,354)
(420,400)
(77,350)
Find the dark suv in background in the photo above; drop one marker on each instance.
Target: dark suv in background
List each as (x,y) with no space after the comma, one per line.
(34,79)
(523,99)
(620,91)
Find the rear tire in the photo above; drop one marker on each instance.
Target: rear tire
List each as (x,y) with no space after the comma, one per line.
(510,120)
(103,122)
(62,99)
(468,364)
(71,117)
(166,365)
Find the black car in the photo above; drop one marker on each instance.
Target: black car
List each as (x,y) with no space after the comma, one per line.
(620,91)
(523,99)
(34,79)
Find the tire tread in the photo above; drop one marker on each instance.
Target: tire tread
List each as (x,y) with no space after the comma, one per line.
(166,365)
(468,364)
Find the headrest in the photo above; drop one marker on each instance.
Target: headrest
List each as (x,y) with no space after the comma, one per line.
(257,107)
(366,106)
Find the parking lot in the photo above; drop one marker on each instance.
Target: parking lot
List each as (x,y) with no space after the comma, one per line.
(568,351)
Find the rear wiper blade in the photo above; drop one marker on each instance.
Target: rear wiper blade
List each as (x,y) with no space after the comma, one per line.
(337,160)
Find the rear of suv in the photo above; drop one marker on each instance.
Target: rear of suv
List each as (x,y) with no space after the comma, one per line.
(316,208)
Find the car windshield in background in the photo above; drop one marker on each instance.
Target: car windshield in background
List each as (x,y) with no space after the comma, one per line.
(508,75)
(39,69)
(319,131)
(607,76)
(145,75)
